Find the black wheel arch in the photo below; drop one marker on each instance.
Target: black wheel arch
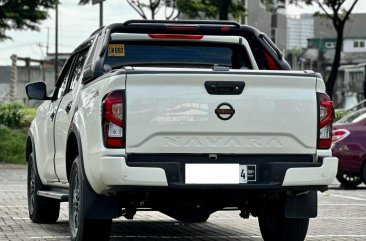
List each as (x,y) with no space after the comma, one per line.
(96,206)
(29,146)
(29,149)
(73,149)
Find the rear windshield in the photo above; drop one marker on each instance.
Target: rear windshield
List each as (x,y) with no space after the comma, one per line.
(176,54)
(353,117)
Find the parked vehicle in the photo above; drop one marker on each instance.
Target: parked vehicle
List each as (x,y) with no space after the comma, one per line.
(183,117)
(340,113)
(360,105)
(349,145)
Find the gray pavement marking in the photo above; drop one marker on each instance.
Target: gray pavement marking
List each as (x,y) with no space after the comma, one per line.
(347,218)
(50,237)
(13,206)
(342,204)
(347,197)
(333,236)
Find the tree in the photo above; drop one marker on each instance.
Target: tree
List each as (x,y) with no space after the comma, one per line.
(211,9)
(170,8)
(22,15)
(334,10)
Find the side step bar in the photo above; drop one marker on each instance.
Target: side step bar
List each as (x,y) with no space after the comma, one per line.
(62,195)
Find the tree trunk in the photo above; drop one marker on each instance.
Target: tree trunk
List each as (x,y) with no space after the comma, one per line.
(337,59)
(224,9)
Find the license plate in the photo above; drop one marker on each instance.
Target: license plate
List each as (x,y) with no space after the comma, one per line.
(219,173)
(247,173)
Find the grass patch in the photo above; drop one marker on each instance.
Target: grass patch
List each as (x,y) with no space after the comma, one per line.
(12,145)
(339,114)
(29,114)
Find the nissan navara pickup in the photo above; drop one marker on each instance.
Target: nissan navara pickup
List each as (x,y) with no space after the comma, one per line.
(182,117)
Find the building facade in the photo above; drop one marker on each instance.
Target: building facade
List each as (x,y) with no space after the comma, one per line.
(299,29)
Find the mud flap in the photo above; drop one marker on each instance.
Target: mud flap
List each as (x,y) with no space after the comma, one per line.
(302,206)
(98,206)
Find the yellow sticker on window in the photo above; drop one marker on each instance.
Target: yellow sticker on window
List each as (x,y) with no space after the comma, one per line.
(116,50)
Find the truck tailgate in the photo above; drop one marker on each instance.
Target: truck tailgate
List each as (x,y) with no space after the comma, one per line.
(172,112)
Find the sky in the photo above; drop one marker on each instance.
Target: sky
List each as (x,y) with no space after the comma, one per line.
(77,22)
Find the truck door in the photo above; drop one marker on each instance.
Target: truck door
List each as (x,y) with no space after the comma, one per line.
(65,114)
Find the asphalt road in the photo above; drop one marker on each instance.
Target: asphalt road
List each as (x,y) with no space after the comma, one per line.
(342,216)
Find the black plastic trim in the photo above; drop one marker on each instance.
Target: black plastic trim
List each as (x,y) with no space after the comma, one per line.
(181,22)
(214,72)
(224,87)
(271,169)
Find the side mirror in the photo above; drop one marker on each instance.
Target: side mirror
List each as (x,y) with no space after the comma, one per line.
(36,91)
(87,75)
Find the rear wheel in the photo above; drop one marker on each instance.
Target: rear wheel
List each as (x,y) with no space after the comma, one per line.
(80,227)
(349,180)
(274,226)
(40,209)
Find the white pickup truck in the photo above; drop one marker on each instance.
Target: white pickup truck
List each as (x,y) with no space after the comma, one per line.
(183,117)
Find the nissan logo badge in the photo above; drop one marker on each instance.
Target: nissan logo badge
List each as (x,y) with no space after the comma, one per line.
(224,111)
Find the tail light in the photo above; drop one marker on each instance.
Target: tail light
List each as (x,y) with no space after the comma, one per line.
(325,121)
(113,120)
(175,36)
(339,135)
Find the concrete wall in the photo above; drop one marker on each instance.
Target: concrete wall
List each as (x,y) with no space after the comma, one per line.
(258,16)
(35,74)
(281,32)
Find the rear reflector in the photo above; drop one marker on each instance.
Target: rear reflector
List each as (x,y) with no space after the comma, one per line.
(175,36)
(325,121)
(338,135)
(113,120)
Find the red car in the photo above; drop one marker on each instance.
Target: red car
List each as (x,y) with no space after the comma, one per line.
(349,145)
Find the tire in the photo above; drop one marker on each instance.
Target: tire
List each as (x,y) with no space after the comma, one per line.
(189,215)
(274,226)
(40,209)
(349,180)
(80,227)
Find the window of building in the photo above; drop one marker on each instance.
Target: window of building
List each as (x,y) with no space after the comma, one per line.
(330,45)
(359,43)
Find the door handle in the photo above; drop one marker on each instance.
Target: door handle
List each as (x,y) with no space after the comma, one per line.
(52,116)
(68,107)
(224,87)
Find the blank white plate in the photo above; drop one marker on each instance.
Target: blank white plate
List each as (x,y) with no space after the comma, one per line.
(212,173)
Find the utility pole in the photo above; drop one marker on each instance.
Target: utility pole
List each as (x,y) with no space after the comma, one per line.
(100,14)
(56,44)
(100,10)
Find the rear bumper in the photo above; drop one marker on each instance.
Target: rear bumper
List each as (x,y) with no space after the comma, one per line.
(116,174)
(308,176)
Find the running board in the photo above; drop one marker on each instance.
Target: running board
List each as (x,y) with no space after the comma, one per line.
(62,195)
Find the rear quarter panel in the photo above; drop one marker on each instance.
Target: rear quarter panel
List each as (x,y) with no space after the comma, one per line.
(88,121)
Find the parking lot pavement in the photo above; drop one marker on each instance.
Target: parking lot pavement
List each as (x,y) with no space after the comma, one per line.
(342,216)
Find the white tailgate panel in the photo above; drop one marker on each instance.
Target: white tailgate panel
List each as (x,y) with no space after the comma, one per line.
(173,113)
